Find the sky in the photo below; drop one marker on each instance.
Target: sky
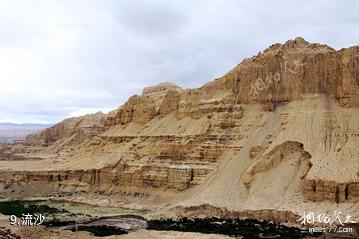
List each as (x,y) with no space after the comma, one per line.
(65,58)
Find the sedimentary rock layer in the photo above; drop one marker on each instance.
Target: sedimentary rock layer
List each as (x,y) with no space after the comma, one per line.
(277,132)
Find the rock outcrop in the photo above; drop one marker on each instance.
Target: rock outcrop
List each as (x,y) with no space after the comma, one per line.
(277,133)
(79,129)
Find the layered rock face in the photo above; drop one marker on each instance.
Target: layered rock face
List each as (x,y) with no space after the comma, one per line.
(105,180)
(281,73)
(159,100)
(79,129)
(278,132)
(284,73)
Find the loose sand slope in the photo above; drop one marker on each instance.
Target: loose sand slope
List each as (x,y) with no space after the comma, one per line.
(280,131)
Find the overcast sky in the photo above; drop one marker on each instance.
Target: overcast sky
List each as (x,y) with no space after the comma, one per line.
(66,58)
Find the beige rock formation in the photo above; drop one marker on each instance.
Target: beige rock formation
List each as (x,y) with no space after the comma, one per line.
(278,133)
(70,131)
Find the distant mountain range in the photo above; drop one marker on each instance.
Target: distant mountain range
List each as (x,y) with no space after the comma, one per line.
(11,131)
(23,126)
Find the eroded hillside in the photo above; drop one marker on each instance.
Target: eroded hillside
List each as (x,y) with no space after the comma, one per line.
(277,135)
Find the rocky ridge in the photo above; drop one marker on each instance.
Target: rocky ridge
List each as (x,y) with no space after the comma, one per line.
(288,115)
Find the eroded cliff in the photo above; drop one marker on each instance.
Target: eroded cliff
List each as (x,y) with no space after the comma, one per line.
(277,133)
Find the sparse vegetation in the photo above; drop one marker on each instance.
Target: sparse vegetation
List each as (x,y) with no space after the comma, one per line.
(18,208)
(100,231)
(236,228)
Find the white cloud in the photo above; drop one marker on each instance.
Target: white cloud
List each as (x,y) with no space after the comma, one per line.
(62,58)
